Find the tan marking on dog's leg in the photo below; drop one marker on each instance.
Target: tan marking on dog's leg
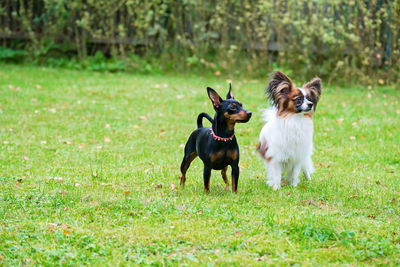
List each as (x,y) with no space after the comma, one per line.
(224,177)
(192,156)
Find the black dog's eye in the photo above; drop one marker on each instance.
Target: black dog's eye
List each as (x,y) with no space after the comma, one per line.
(233,108)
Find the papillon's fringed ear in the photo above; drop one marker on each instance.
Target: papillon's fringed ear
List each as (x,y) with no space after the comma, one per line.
(279,87)
(230,93)
(315,87)
(216,100)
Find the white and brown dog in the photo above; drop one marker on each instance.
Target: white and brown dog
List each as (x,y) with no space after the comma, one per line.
(286,139)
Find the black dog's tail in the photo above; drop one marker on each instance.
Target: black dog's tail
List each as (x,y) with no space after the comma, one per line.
(200,119)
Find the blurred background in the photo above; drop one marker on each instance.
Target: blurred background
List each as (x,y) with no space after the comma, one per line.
(340,41)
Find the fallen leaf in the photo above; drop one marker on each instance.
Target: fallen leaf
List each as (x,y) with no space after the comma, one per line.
(199,212)
(354,196)
(65,232)
(26,158)
(82,146)
(393,200)
(173,187)
(312,202)
(158,186)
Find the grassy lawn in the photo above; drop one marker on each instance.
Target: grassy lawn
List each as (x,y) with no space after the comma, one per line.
(89,165)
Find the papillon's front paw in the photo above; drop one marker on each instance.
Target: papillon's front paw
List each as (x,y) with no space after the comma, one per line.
(274,184)
(307,175)
(295,182)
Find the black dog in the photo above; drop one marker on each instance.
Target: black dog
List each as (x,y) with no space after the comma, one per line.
(216,146)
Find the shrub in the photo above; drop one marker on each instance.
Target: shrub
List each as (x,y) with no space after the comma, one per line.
(342,40)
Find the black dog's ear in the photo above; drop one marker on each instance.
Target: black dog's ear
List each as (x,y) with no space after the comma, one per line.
(216,100)
(230,93)
(279,87)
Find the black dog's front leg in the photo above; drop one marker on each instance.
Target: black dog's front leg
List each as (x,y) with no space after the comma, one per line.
(235,177)
(206,177)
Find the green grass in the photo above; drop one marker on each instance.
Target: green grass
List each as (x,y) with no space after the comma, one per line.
(82,153)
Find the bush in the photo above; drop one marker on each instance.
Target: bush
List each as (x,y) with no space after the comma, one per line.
(339,40)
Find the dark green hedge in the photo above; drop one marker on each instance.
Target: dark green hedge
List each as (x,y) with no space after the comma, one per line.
(332,39)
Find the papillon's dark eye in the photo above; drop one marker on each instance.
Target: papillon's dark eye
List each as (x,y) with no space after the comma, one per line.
(298,100)
(233,107)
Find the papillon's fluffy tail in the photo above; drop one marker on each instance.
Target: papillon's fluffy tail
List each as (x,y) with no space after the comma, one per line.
(269,114)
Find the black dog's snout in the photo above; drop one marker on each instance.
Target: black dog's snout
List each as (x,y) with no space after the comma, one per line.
(248,113)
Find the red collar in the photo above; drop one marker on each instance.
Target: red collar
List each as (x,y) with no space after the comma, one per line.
(216,137)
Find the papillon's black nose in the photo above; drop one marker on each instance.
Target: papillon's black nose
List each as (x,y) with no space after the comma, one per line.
(310,105)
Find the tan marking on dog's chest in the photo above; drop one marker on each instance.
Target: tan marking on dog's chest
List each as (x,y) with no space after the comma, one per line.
(215,156)
(232,154)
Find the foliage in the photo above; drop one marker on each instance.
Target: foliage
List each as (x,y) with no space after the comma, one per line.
(11,55)
(88,160)
(337,40)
